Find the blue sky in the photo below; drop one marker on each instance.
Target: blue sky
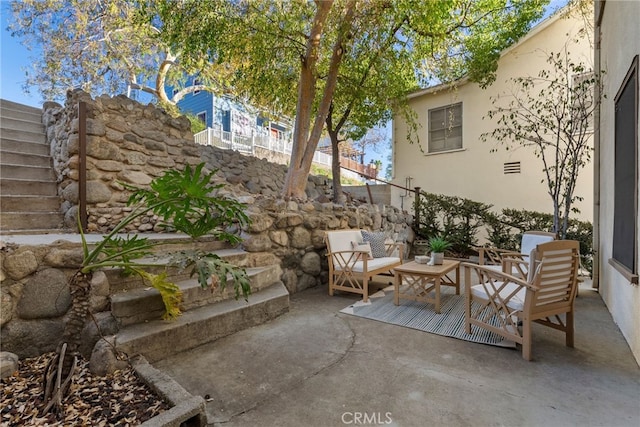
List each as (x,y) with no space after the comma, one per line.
(14,57)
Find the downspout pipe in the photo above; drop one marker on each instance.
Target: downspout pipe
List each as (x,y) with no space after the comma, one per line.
(598,11)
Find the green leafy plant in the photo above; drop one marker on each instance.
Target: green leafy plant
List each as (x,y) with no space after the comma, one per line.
(186,200)
(439,244)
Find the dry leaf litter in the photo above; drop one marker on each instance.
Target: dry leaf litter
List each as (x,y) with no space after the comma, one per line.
(120,399)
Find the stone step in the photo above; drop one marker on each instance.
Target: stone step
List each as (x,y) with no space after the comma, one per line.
(23,136)
(33,173)
(141,305)
(118,282)
(6,107)
(27,159)
(23,123)
(159,339)
(12,203)
(10,221)
(21,187)
(26,147)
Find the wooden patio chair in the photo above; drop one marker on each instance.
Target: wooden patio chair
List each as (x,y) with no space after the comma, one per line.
(507,305)
(351,268)
(514,262)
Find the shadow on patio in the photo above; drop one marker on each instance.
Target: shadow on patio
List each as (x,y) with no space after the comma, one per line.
(317,367)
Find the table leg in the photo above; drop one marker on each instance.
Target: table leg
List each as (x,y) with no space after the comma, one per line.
(396,288)
(437,284)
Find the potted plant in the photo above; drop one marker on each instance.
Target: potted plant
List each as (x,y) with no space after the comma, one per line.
(438,245)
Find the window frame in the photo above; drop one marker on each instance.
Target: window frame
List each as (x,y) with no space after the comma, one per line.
(196,82)
(446,126)
(205,117)
(621,266)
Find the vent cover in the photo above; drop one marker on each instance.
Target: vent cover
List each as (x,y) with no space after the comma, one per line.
(511,167)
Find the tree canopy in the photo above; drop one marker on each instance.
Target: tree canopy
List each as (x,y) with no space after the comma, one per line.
(102,47)
(323,59)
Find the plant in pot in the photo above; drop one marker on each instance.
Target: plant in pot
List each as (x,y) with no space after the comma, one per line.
(438,245)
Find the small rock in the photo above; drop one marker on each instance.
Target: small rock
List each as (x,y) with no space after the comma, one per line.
(8,364)
(103,358)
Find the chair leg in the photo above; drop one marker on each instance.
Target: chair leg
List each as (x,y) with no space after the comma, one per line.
(526,339)
(467,300)
(330,284)
(365,289)
(569,328)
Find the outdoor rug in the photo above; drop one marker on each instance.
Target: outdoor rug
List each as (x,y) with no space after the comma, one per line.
(421,316)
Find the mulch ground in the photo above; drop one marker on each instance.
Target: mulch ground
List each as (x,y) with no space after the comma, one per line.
(120,399)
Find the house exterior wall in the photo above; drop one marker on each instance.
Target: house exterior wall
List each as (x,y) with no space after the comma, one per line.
(620,43)
(473,171)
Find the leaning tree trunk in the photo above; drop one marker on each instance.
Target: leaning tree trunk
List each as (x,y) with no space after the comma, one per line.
(61,368)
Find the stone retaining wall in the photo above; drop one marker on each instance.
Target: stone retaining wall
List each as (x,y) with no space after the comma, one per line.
(132,143)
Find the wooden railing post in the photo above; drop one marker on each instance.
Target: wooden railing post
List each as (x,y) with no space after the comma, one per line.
(82,164)
(416,208)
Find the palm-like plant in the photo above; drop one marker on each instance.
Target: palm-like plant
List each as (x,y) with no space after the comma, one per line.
(187,201)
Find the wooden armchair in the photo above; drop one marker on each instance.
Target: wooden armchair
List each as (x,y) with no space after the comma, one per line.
(500,301)
(350,266)
(514,262)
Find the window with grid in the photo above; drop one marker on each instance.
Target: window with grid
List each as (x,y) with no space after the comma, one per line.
(202,117)
(196,82)
(445,128)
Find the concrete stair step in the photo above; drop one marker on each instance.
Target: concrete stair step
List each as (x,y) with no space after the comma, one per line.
(159,339)
(34,173)
(23,136)
(12,203)
(121,283)
(24,123)
(16,146)
(27,159)
(10,221)
(20,187)
(141,305)
(7,106)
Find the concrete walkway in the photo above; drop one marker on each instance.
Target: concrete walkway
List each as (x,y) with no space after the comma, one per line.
(317,367)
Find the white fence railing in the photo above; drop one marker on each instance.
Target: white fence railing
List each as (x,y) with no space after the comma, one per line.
(245,144)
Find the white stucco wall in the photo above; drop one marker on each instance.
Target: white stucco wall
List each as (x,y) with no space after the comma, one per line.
(620,42)
(475,172)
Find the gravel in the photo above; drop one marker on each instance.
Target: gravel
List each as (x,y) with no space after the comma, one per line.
(120,399)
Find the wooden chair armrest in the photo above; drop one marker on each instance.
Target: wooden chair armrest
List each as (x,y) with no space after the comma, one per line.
(493,254)
(390,247)
(496,275)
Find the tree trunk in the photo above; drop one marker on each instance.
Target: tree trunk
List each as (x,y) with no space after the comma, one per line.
(58,376)
(338,194)
(305,137)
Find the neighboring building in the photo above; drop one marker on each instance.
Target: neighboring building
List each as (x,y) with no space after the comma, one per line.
(617,184)
(223,114)
(451,159)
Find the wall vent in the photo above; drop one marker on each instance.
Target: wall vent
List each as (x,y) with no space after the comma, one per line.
(511,167)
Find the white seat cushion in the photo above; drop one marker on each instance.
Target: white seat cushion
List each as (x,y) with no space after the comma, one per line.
(373,264)
(515,303)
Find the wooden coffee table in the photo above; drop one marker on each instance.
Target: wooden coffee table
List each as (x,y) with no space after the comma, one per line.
(421,279)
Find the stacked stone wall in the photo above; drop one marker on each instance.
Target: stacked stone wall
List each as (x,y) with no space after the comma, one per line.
(132,143)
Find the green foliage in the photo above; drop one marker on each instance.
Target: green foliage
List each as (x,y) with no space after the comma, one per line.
(458,221)
(103,47)
(186,200)
(551,115)
(346,63)
(197,125)
(210,267)
(439,244)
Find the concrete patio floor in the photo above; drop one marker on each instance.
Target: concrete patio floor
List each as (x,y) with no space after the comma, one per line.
(317,367)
